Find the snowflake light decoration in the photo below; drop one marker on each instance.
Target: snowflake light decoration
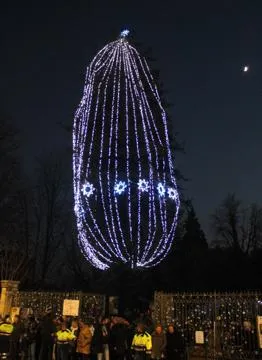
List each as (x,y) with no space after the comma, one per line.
(120,187)
(172,193)
(88,189)
(161,189)
(120,134)
(143,185)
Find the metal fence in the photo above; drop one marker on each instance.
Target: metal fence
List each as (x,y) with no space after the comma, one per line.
(91,306)
(226,321)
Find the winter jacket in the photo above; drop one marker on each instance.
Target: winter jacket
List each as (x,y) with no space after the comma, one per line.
(118,339)
(100,338)
(47,330)
(158,345)
(174,344)
(84,341)
(142,342)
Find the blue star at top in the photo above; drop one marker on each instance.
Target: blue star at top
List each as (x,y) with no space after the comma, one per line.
(124,33)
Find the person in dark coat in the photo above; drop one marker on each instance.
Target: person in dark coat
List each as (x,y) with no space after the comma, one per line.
(31,332)
(118,341)
(47,332)
(97,340)
(74,328)
(175,347)
(158,343)
(100,340)
(16,336)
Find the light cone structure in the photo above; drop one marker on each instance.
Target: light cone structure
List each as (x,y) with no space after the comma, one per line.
(125,192)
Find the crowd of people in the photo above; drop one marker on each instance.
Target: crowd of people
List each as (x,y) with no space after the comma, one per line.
(64,338)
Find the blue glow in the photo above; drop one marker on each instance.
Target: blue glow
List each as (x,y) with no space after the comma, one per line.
(120,133)
(88,189)
(143,185)
(124,33)
(161,189)
(172,193)
(120,187)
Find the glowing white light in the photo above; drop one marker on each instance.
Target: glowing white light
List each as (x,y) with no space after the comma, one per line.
(172,193)
(88,189)
(124,33)
(245,68)
(120,133)
(120,187)
(161,189)
(143,185)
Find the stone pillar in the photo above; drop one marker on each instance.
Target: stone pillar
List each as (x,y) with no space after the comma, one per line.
(9,289)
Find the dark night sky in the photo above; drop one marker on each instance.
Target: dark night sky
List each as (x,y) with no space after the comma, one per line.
(200,47)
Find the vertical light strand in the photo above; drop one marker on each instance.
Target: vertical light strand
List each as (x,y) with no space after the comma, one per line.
(103,241)
(106,78)
(117,215)
(154,90)
(146,139)
(112,125)
(150,242)
(123,48)
(132,101)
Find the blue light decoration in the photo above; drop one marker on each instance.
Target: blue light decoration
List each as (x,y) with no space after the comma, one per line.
(161,190)
(120,187)
(88,189)
(172,193)
(121,153)
(124,33)
(143,185)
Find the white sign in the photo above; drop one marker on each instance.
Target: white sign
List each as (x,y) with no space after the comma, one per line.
(259,330)
(199,337)
(70,307)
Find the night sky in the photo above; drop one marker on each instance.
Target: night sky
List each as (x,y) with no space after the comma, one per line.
(200,47)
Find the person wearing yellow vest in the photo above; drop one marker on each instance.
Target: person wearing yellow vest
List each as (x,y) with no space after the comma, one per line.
(63,339)
(141,344)
(6,330)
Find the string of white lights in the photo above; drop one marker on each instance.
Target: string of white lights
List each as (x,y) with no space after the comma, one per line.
(125,193)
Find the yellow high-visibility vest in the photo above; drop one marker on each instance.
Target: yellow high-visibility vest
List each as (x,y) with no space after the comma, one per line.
(142,342)
(6,329)
(65,335)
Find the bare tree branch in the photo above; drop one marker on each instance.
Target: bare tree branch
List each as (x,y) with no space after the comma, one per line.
(236,226)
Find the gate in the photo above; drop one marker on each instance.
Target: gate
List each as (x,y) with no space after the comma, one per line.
(226,321)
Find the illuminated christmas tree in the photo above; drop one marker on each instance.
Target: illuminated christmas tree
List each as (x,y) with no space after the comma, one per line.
(126,199)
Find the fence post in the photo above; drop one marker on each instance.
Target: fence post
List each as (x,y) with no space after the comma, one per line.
(162,310)
(214,325)
(8,291)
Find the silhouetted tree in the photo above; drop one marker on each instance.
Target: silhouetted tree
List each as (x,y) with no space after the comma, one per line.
(80,270)
(238,227)
(46,210)
(9,177)
(14,257)
(177,146)
(194,240)
(191,252)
